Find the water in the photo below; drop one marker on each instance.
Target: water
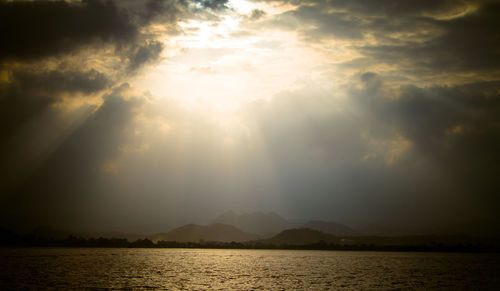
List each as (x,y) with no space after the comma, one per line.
(172,269)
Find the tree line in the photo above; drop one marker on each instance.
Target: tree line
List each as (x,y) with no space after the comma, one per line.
(74,241)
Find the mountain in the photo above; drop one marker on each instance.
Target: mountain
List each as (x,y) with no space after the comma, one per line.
(257,222)
(331,228)
(195,233)
(300,236)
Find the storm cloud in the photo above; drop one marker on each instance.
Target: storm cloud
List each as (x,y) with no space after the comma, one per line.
(441,36)
(43,28)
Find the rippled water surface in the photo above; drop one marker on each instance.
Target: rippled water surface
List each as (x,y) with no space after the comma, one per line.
(67,268)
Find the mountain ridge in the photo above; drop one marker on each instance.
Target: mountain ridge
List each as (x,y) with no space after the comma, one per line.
(300,236)
(269,224)
(257,222)
(195,233)
(331,228)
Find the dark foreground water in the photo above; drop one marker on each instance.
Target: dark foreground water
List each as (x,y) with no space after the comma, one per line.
(74,268)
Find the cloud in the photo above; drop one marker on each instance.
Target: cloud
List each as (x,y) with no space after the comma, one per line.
(55,81)
(256,14)
(424,156)
(422,37)
(44,28)
(319,24)
(145,54)
(57,61)
(455,128)
(392,143)
(213,4)
(28,92)
(163,10)
(467,43)
(374,156)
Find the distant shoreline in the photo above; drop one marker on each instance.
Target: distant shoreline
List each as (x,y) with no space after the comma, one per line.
(73,242)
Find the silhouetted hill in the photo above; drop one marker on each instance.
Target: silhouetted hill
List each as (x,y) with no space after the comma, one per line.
(195,233)
(109,235)
(331,228)
(257,222)
(300,236)
(225,236)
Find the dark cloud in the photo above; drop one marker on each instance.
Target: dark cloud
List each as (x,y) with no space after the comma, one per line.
(163,11)
(385,7)
(319,20)
(325,24)
(467,43)
(44,61)
(213,4)
(429,35)
(145,54)
(37,29)
(457,128)
(256,14)
(56,81)
(393,8)
(29,92)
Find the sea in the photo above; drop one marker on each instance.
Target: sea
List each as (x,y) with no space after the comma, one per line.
(221,269)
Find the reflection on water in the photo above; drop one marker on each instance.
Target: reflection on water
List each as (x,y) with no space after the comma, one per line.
(243,269)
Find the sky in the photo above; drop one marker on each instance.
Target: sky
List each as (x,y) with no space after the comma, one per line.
(140,116)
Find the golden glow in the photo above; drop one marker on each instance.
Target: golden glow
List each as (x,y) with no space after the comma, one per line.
(242,6)
(455,130)
(211,67)
(390,150)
